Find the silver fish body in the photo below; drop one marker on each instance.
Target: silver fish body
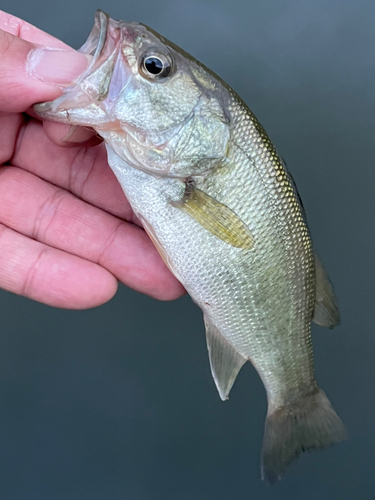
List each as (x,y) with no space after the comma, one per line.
(216,199)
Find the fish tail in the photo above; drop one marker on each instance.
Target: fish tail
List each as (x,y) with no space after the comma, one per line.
(308,423)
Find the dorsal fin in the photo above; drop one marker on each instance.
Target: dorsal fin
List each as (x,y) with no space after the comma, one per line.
(224,359)
(326,312)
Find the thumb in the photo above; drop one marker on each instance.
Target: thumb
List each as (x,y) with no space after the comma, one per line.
(31,73)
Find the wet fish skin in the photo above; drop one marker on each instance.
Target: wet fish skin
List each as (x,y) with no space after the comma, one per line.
(219,204)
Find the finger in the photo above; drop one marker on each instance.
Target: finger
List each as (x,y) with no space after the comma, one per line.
(51,276)
(28,32)
(82,171)
(10,124)
(30,74)
(70,135)
(52,216)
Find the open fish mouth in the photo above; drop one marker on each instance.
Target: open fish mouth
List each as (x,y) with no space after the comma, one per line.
(103,46)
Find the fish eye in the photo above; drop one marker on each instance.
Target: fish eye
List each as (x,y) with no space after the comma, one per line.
(156,66)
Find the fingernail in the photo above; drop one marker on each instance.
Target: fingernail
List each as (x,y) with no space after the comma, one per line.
(56,66)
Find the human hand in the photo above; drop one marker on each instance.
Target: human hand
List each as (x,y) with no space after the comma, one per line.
(67,232)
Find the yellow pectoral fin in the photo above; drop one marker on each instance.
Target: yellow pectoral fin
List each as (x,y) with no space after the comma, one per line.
(216,218)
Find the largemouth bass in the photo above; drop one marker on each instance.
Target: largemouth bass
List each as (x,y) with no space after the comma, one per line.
(223,211)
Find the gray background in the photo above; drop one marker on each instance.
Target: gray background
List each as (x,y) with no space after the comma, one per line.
(118,402)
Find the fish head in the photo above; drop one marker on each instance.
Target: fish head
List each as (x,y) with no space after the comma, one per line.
(158,108)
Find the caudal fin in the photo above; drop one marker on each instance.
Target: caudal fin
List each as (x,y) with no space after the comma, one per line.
(306,424)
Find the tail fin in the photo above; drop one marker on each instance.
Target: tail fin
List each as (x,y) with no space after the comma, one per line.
(306,424)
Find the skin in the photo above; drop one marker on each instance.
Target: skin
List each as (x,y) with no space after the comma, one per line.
(67,232)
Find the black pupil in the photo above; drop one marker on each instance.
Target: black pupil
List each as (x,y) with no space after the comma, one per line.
(154,65)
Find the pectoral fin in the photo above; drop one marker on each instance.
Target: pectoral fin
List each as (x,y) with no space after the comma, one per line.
(216,218)
(326,312)
(224,359)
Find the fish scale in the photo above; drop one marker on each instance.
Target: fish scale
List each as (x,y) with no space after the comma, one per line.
(233,318)
(279,188)
(202,175)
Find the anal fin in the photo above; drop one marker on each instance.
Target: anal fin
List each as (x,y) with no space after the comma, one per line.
(224,359)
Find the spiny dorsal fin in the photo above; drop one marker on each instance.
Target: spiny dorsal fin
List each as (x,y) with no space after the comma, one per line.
(326,312)
(224,359)
(216,218)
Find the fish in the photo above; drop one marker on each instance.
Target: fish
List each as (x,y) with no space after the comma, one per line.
(223,210)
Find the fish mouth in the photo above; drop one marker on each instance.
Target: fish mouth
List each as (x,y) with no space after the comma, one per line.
(103,47)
